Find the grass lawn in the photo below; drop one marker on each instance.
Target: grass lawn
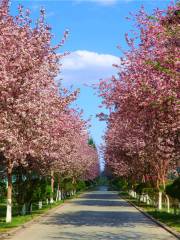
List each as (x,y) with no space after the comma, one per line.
(170,219)
(18,220)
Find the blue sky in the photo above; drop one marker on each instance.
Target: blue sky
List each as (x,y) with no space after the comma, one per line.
(96,28)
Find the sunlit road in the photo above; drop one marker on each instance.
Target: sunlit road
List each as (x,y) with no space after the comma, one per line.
(95,215)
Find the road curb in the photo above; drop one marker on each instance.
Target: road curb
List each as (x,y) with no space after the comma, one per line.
(164,226)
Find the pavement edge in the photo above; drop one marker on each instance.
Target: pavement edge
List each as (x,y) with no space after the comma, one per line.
(164,226)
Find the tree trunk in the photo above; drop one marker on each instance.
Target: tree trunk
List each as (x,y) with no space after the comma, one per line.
(40,205)
(23,212)
(58,194)
(168,203)
(160,201)
(164,183)
(9,192)
(30,208)
(52,187)
(74,185)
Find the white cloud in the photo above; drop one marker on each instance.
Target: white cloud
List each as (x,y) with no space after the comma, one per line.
(102,2)
(113,2)
(50,14)
(85,67)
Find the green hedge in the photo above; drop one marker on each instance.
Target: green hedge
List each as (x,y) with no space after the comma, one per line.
(173,189)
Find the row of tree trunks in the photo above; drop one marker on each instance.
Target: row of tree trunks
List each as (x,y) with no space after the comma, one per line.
(9,193)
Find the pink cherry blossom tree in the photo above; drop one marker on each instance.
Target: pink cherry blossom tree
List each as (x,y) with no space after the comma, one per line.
(143,123)
(28,67)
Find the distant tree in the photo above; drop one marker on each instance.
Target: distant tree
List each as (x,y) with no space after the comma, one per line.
(91,142)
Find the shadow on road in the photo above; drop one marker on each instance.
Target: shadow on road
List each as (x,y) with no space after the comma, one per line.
(102,196)
(101,200)
(99,218)
(103,215)
(101,203)
(125,235)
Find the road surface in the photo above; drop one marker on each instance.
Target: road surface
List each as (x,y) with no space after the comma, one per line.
(93,216)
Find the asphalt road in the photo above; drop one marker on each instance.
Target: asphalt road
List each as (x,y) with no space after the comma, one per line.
(93,216)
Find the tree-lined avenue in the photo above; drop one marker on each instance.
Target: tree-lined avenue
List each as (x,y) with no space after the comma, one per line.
(95,215)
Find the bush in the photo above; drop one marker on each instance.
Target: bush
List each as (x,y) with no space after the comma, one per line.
(67,185)
(80,185)
(173,190)
(119,184)
(144,187)
(2,191)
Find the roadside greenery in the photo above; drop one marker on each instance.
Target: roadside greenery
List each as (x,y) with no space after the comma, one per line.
(18,220)
(38,190)
(173,189)
(145,196)
(170,219)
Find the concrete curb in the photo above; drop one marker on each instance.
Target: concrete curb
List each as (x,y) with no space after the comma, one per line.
(164,226)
